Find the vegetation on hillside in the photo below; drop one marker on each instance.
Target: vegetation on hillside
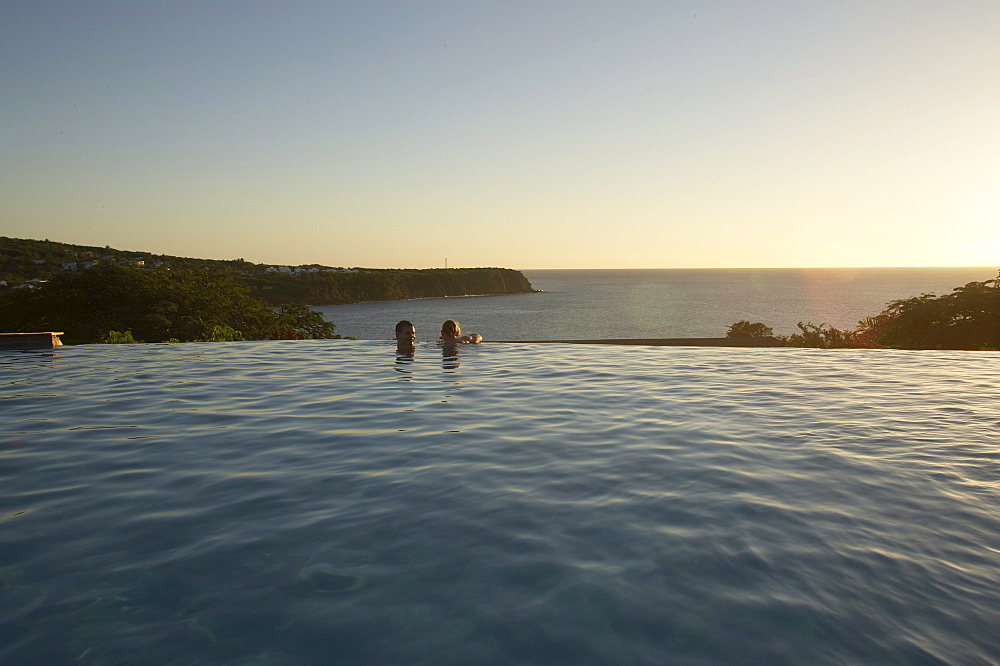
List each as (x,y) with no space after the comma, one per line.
(967,318)
(22,260)
(109,301)
(323,288)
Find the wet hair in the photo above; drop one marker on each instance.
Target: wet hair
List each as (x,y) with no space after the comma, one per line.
(450,327)
(401,325)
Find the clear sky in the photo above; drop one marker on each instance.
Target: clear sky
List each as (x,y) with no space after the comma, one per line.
(543,134)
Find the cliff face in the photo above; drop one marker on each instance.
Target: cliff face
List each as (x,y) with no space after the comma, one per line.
(387,285)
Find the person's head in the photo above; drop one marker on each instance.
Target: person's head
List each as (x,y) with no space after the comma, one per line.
(406,333)
(450,329)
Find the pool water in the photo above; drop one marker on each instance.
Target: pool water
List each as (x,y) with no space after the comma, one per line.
(312,502)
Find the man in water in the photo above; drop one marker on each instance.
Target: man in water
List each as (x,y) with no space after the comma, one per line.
(406,335)
(451,333)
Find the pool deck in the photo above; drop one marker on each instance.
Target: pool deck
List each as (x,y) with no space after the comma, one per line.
(39,340)
(666,342)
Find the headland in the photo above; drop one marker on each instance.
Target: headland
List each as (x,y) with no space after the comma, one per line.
(29,263)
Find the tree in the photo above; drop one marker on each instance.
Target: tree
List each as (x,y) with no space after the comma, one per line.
(298,322)
(744,329)
(154,305)
(823,336)
(967,318)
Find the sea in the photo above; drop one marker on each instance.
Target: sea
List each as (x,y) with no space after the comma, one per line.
(664,303)
(341,502)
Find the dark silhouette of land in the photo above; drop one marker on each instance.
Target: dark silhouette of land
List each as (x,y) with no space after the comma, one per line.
(25,260)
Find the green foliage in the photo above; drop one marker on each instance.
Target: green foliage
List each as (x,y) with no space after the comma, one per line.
(809,335)
(386,285)
(298,322)
(24,259)
(744,329)
(967,318)
(822,337)
(118,338)
(19,259)
(154,305)
(223,333)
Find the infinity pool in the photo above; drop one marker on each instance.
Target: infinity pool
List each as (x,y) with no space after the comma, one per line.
(333,501)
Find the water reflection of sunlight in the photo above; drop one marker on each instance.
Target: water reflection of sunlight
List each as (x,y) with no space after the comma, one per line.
(823,288)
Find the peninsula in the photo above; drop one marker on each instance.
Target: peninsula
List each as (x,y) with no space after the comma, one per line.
(32,262)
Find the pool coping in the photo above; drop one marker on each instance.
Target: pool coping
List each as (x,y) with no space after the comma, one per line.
(35,340)
(664,342)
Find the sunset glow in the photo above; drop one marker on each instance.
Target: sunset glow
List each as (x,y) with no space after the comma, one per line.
(526,135)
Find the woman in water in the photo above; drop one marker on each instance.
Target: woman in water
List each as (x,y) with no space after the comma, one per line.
(451,333)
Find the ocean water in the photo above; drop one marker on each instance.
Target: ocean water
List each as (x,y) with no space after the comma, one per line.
(593,304)
(333,501)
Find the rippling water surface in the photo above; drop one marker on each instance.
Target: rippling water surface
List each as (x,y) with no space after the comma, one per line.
(325,501)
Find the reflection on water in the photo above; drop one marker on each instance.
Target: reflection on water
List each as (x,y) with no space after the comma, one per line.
(405,359)
(16,357)
(449,356)
(298,502)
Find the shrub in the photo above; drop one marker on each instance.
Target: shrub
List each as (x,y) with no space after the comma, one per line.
(222,333)
(116,338)
(967,318)
(154,305)
(744,329)
(822,337)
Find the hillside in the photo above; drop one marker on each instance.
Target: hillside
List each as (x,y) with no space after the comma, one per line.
(24,260)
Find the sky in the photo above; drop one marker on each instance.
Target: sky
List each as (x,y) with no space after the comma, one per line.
(543,134)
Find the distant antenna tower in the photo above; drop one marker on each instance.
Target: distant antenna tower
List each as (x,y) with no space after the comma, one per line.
(446,262)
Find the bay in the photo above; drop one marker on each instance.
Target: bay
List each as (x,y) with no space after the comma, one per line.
(658,303)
